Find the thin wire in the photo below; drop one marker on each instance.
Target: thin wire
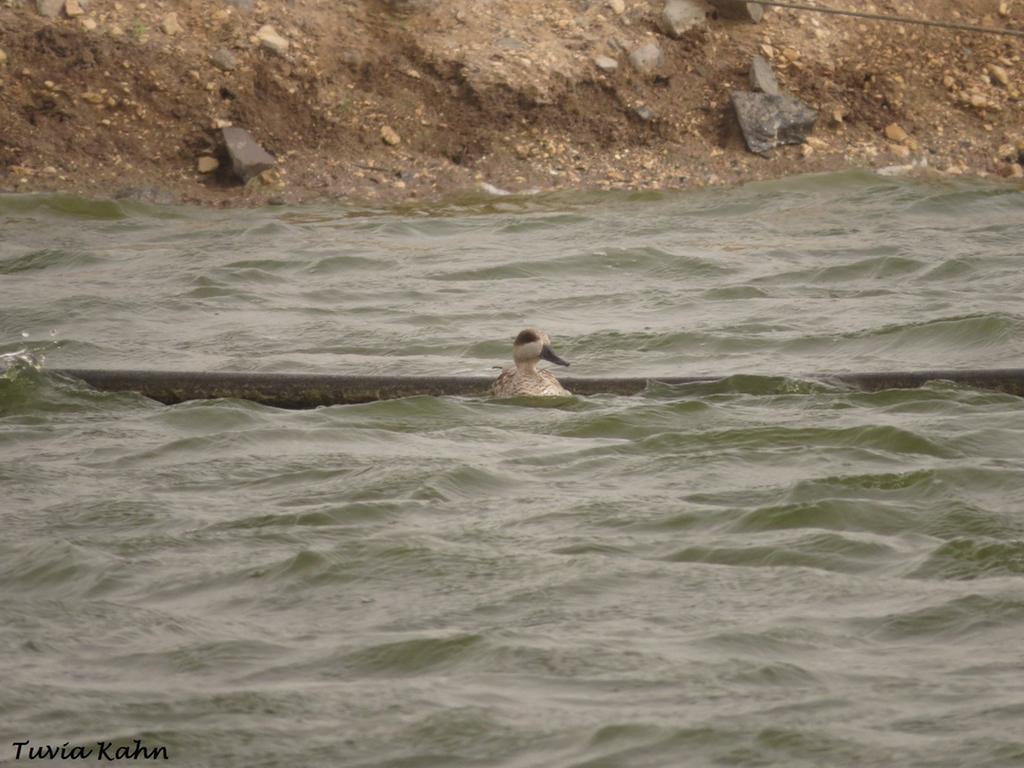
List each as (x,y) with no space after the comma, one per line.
(896,19)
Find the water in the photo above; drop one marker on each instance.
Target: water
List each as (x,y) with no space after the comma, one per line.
(761,571)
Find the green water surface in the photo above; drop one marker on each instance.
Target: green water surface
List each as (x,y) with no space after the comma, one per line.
(759,571)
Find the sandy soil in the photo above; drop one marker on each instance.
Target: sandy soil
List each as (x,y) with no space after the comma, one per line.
(120,99)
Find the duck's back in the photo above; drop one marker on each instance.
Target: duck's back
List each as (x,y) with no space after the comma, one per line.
(512,383)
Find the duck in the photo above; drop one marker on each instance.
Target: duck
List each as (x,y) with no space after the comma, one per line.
(530,347)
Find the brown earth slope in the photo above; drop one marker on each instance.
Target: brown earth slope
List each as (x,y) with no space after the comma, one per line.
(129,95)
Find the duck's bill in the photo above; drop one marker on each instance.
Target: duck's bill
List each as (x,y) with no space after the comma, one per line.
(548,354)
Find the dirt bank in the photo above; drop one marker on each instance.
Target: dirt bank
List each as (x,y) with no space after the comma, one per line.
(127,96)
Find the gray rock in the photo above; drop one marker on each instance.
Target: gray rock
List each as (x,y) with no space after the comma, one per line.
(224,59)
(606,64)
(734,9)
(644,114)
(242,6)
(248,158)
(769,121)
(680,16)
(646,58)
(50,8)
(762,78)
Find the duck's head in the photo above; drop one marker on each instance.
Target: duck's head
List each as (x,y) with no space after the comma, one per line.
(533,345)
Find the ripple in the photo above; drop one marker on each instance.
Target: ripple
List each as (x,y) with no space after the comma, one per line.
(829,552)
(972,559)
(344,263)
(981,329)
(875,268)
(831,513)
(736,293)
(58,568)
(957,619)
(355,513)
(890,440)
(745,384)
(407,657)
(46,258)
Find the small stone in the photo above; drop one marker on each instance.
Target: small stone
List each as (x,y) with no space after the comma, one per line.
(606,64)
(999,74)
(762,78)
(50,8)
(895,132)
(618,6)
(207,164)
(389,136)
(269,39)
(1017,170)
(977,101)
(248,158)
(644,114)
(170,24)
(1004,9)
(267,178)
(1007,152)
(73,8)
(680,16)
(89,25)
(3,58)
(646,58)
(223,59)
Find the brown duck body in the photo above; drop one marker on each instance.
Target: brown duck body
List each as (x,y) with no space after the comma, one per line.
(512,382)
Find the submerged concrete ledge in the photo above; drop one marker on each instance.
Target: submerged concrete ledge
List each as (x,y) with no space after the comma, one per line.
(288,390)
